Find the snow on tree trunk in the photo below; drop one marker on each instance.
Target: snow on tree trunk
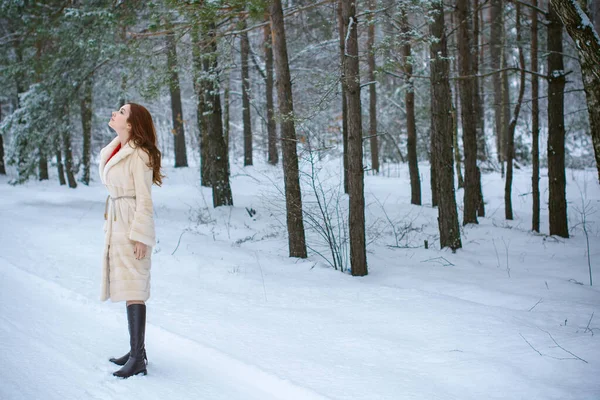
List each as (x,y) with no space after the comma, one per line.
(582,31)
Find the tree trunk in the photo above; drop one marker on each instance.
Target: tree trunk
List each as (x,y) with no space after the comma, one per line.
(43,165)
(478,99)
(176,108)
(495,40)
(468,112)
(217,149)
(535,122)
(457,155)
(2,167)
(226,107)
(247,122)
(293,196)
(201,67)
(351,79)
(510,150)
(86,124)
(59,167)
(441,131)
(411,127)
(583,34)
(595,13)
(505,103)
(481,203)
(455,108)
(372,91)
(66,137)
(433,166)
(271,126)
(342,35)
(557,205)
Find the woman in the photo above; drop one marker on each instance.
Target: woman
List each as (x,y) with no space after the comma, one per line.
(129,166)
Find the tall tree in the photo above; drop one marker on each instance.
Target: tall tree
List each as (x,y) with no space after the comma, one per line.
(587,40)
(468,113)
(201,64)
(293,196)
(2,167)
(535,121)
(86,125)
(477,99)
(342,38)
(43,159)
(246,118)
(351,79)
(411,126)
(510,149)
(496,54)
(217,148)
(176,107)
(557,202)
(372,90)
(69,167)
(271,126)
(441,130)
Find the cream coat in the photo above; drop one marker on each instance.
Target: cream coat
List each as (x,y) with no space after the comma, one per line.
(127,220)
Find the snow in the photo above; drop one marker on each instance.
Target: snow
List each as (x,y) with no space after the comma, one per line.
(585,21)
(232,317)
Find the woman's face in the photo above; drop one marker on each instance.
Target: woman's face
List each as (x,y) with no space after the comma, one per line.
(119,122)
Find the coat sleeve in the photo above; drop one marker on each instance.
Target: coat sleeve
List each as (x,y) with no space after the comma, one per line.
(142,227)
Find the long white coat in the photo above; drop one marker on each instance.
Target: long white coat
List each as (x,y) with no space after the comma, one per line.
(127,220)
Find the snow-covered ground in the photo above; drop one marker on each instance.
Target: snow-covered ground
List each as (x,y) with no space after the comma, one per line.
(232,317)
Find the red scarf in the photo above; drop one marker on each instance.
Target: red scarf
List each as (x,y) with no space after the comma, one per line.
(115,151)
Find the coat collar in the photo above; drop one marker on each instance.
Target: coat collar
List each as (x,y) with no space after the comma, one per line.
(124,152)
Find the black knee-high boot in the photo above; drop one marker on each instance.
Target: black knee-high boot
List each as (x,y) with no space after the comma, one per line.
(136,319)
(122,360)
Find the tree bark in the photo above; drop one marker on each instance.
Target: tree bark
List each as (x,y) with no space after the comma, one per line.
(457,155)
(535,122)
(411,127)
(587,40)
(217,148)
(372,91)
(66,137)
(342,35)
(176,107)
(293,196)
(495,40)
(505,102)
(271,126)
(351,79)
(43,165)
(86,125)
(60,168)
(478,99)
(455,108)
(246,118)
(201,67)
(2,167)
(557,205)
(441,130)
(467,111)
(510,150)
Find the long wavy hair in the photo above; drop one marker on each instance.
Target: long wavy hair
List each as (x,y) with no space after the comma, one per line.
(143,135)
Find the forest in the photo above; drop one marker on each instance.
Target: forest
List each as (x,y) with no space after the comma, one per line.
(472,87)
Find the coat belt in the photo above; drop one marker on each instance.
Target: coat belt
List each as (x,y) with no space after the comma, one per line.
(112,199)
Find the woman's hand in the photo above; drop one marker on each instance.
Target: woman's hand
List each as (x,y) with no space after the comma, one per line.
(140,250)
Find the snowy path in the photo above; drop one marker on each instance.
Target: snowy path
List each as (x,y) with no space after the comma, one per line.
(67,359)
(232,317)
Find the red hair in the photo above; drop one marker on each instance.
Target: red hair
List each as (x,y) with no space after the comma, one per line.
(143,135)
